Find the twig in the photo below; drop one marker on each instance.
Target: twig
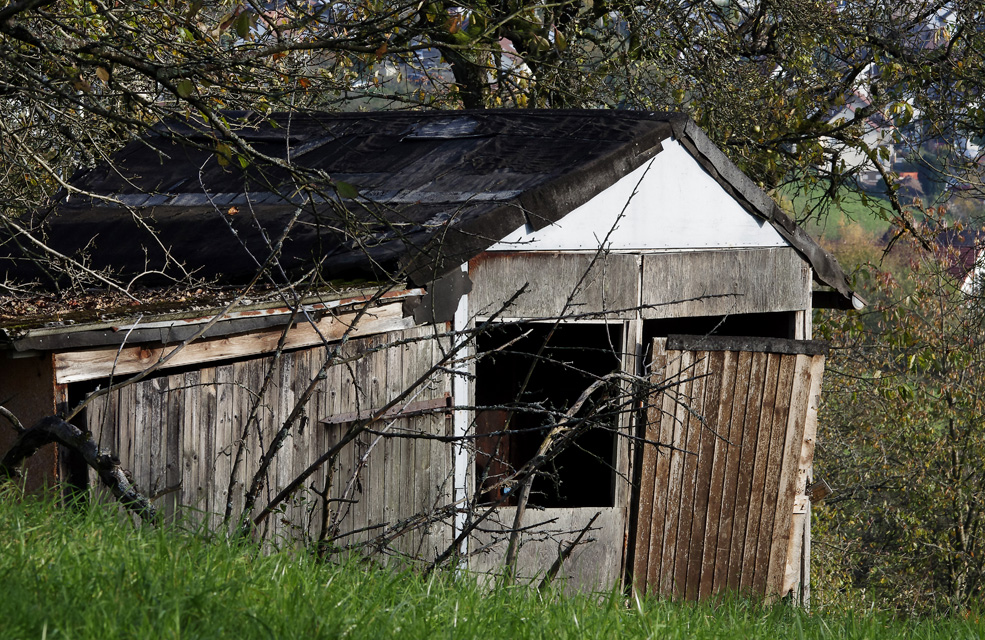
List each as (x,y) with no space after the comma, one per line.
(564,554)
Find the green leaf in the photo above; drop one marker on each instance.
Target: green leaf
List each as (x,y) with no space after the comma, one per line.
(185,88)
(345,190)
(242,25)
(223,154)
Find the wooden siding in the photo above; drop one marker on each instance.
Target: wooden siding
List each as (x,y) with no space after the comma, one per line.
(594,565)
(715,283)
(181,433)
(716,502)
(611,284)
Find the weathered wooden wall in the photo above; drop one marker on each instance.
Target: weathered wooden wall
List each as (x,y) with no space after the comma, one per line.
(716,510)
(558,284)
(676,284)
(595,563)
(714,283)
(180,435)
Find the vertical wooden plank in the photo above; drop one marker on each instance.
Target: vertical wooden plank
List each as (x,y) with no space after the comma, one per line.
(261,434)
(732,469)
(224,444)
(750,440)
(335,474)
(159,428)
(192,456)
(318,441)
(96,416)
(675,489)
(206,426)
(631,361)
(760,471)
(432,465)
(102,423)
(334,383)
(365,508)
(805,558)
(377,463)
(417,359)
(300,379)
(781,410)
(174,429)
(138,437)
(648,453)
(794,563)
(431,468)
(239,405)
(716,486)
(353,509)
(125,432)
(792,445)
(693,411)
(441,469)
(399,493)
(252,437)
(110,423)
(305,443)
(663,415)
(710,404)
(280,471)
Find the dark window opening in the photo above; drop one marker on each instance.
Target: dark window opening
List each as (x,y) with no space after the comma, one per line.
(527,379)
(760,325)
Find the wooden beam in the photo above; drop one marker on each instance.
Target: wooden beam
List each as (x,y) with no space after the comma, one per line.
(91,364)
(753,344)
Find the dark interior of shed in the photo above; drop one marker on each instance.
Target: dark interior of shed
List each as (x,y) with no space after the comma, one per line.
(527,378)
(780,324)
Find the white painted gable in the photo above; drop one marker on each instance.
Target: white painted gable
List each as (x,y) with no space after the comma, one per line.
(677,206)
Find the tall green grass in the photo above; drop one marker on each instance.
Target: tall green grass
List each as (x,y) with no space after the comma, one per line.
(86,574)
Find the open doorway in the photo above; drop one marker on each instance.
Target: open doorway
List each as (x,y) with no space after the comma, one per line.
(529,376)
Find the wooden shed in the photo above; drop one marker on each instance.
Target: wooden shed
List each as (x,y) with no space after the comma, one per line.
(465,285)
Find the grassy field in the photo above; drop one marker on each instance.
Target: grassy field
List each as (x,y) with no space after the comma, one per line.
(71,574)
(826,219)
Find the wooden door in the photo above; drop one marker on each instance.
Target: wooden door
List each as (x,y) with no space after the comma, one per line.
(729,444)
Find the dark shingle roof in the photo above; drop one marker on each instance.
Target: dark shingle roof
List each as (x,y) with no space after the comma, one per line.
(421,191)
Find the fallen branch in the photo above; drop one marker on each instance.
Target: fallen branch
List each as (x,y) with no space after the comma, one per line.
(107,466)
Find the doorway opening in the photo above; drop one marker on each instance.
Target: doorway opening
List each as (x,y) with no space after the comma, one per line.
(528,378)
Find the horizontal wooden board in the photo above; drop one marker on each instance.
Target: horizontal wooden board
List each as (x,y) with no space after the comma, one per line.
(754,344)
(91,364)
(611,284)
(714,283)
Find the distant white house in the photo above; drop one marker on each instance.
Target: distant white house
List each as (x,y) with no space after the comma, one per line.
(878,134)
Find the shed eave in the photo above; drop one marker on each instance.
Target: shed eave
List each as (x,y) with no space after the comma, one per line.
(827,271)
(176,327)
